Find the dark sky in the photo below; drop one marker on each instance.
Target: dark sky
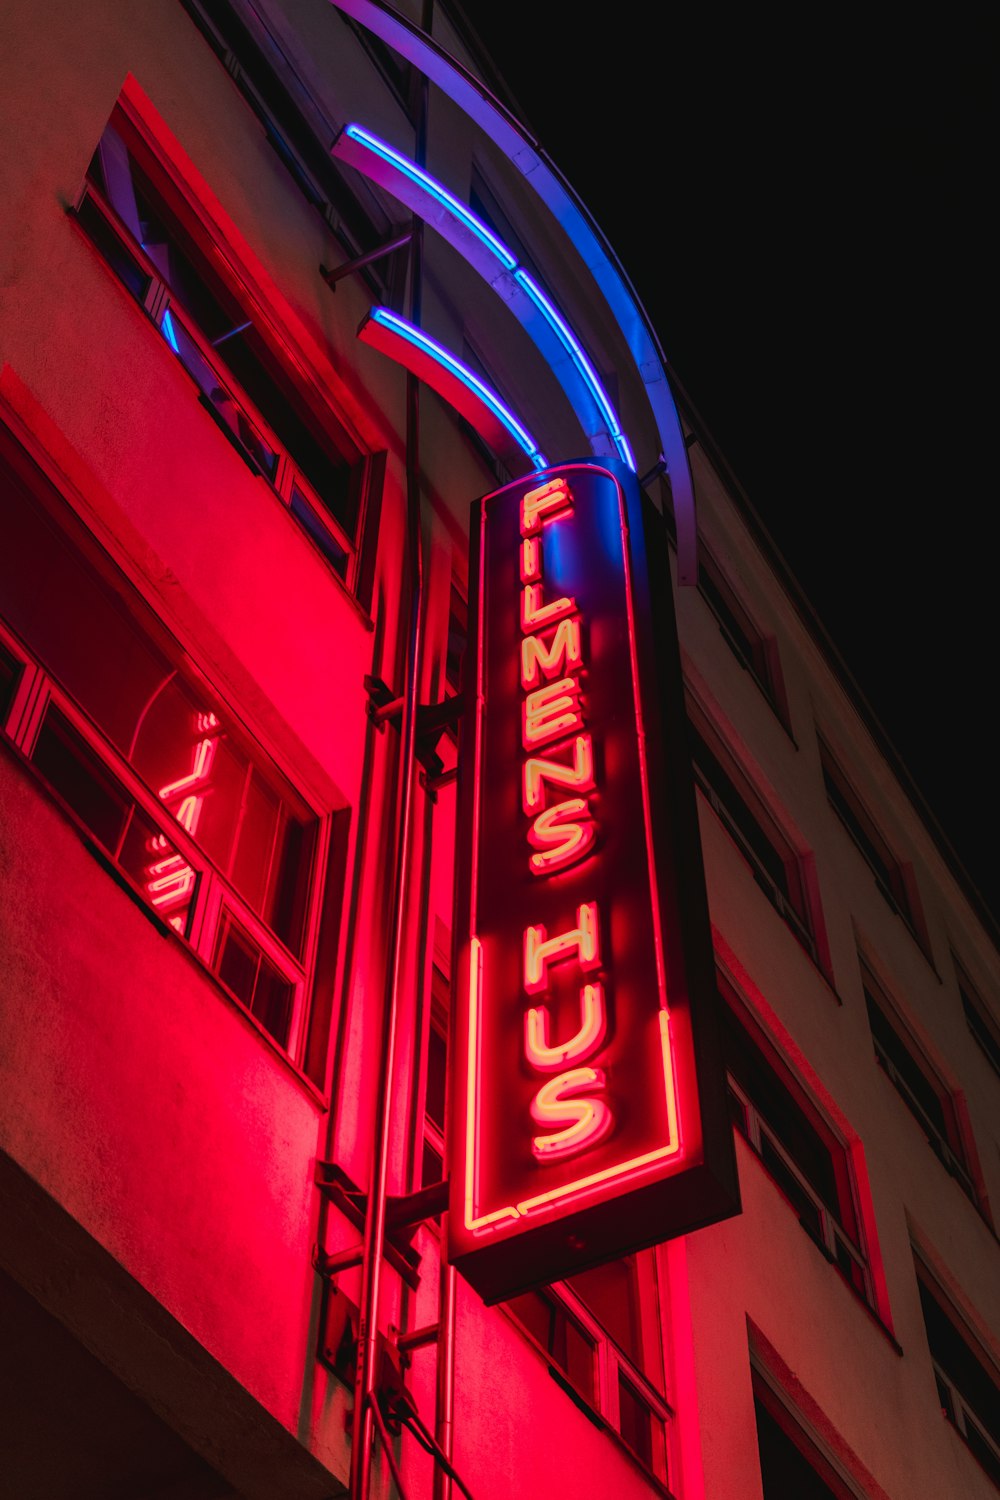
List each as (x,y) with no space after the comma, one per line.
(804,213)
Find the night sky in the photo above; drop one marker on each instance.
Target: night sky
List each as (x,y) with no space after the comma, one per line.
(804,215)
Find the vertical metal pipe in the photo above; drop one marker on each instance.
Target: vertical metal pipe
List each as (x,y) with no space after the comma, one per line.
(444,1425)
(366,1375)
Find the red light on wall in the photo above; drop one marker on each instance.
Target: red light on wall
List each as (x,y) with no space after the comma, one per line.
(589,1114)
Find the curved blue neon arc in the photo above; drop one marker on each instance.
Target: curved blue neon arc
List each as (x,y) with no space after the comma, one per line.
(569,341)
(556,322)
(450,362)
(436,189)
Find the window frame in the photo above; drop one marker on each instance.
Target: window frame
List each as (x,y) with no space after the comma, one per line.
(37,691)
(957,1410)
(978,1017)
(890,874)
(951,1148)
(797,909)
(164,309)
(761,661)
(799,1431)
(611,1365)
(320,180)
(836,1241)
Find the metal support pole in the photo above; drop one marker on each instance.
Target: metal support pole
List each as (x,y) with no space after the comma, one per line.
(444,1417)
(348,267)
(366,1415)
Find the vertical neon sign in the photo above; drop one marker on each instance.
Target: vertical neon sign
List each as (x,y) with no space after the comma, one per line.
(588,1101)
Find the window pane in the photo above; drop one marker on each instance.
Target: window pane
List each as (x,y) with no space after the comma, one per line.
(79,628)
(159,870)
(773,867)
(777,1107)
(437,1062)
(219,400)
(73,770)
(982,1448)
(328,473)
(575,1353)
(321,535)
(10,671)
(111,250)
(535,1313)
(185,753)
(913,1084)
(737,629)
(973,1382)
(980,1027)
(611,1293)
(641,1430)
(809,1214)
(784,1469)
(141,849)
(245,969)
(285,901)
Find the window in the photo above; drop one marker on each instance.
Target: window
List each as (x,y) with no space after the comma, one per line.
(139,223)
(297,144)
(135,746)
(874,850)
(791,1463)
(600,1333)
(773,863)
(978,1019)
(966,1382)
(747,644)
(915,1080)
(800,1151)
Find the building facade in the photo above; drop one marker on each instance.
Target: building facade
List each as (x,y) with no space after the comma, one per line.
(235,528)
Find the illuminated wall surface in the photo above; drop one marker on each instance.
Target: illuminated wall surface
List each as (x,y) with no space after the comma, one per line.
(204,577)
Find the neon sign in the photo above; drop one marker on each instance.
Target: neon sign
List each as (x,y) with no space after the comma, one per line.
(589,1113)
(170,880)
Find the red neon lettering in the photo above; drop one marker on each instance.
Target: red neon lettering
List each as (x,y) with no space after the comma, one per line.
(174,882)
(204,754)
(550,712)
(535,614)
(544,504)
(538,1049)
(576,777)
(585,1121)
(531,560)
(560,837)
(189,812)
(540,950)
(541,658)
